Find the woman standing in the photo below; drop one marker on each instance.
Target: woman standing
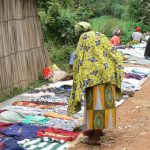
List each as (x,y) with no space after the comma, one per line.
(147,50)
(98,70)
(115,40)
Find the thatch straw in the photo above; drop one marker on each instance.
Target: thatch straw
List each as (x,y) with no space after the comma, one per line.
(22,55)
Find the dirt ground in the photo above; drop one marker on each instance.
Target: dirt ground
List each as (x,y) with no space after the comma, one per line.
(133,125)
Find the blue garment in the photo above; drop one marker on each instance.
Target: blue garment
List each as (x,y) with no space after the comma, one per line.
(22,131)
(72,58)
(9,143)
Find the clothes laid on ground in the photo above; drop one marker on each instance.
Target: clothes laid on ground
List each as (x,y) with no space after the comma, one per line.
(4,125)
(44,143)
(50,103)
(134,76)
(22,131)
(53,99)
(68,125)
(60,110)
(58,134)
(129,87)
(55,91)
(41,120)
(96,62)
(57,115)
(26,110)
(31,104)
(11,116)
(100,112)
(9,143)
(140,70)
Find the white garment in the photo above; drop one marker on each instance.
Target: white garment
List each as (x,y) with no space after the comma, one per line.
(137,36)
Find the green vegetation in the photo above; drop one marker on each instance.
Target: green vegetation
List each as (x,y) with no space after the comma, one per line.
(58,18)
(106,25)
(16,90)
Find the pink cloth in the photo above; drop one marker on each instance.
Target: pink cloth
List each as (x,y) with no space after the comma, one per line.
(115,40)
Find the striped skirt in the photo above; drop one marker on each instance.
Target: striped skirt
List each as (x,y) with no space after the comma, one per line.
(100,112)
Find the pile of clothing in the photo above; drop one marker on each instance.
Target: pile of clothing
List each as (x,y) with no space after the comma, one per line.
(38,119)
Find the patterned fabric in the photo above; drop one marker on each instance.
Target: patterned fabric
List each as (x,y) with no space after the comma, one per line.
(58,134)
(57,115)
(96,62)
(100,110)
(42,144)
(31,104)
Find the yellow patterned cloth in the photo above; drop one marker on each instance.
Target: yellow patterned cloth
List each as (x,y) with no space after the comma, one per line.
(96,62)
(100,112)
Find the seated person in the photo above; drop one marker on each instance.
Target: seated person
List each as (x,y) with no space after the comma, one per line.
(137,36)
(72,59)
(147,50)
(115,40)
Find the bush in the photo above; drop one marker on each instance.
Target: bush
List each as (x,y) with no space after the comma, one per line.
(117,10)
(139,10)
(58,22)
(106,25)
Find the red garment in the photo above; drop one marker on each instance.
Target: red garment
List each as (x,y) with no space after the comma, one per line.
(4,125)
(138,29)
(115,40)
(58,134)
(1,145)
(47,72)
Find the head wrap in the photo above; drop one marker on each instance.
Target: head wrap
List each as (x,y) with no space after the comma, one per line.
(82,27)
(138,29)
(117,31)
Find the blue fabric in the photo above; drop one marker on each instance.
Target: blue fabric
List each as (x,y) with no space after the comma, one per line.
(10,143)
(72,58)
(22,131)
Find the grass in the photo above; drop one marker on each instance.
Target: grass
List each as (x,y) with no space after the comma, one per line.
(106,25)
(16,90)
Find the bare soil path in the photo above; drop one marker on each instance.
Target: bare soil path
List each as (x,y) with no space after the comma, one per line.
(133,125)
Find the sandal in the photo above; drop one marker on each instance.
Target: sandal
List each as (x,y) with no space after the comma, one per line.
(86,141)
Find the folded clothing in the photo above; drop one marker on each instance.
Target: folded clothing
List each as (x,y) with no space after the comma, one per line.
(68,125)
(35,120)
(57,115)
(32,104)
(57,134)
(4,125)
(22,131)
(11,116)
(44,143)
(53,99)
(26,110)
(134,76)
(9,143)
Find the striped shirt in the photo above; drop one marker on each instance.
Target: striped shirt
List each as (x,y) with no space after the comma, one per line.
(44,143)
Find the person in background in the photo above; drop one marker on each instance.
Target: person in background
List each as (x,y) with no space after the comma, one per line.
(71,62)
(98,69)
(115,40)
(137,35)
(147,50)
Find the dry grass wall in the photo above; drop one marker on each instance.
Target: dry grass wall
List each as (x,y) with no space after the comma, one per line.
(22,55)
